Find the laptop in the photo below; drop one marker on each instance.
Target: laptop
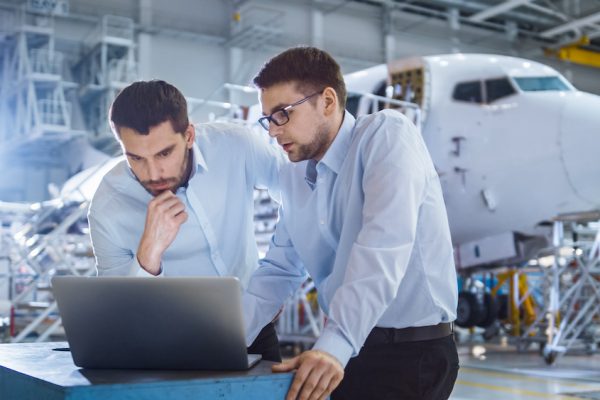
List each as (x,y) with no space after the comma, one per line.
(144,323)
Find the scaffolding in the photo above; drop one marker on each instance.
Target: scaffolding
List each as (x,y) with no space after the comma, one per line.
(235,110)
(570,317)
(371,103)
(256,27)
(109,65)
(35,108)
(33,94)
(48,241)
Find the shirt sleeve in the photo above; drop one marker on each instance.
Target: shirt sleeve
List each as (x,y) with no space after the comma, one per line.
(111,259)
(278,276)
(394,179)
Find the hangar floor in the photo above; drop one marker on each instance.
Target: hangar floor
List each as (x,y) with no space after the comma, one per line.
(490,372)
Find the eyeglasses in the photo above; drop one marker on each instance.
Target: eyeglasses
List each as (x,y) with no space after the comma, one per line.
(282,116)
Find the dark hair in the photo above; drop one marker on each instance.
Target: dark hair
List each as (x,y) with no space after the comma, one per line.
(145,104)
(310,68)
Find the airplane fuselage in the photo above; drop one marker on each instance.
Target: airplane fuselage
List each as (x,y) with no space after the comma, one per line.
(513,141)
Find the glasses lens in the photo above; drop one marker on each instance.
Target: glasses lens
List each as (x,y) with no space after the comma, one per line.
(280,117)
(264,122)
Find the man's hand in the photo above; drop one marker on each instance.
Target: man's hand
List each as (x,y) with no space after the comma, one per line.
(318,374)
(166,212)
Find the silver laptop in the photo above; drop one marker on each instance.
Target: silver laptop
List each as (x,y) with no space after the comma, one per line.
(146,323)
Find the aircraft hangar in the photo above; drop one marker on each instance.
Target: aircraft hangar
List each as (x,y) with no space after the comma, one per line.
(96,198)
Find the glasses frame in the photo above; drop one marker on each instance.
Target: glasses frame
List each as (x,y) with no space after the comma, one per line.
(267,119)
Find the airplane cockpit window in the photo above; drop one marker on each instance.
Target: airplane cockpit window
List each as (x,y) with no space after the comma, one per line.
(542,83)
(468,91)
(498,88)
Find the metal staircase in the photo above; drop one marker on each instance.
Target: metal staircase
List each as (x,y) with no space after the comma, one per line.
(49,243)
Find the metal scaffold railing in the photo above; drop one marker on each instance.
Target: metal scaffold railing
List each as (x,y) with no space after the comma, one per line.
(570,318)
(108,65)
(49,242)
(33,76)
(36,108)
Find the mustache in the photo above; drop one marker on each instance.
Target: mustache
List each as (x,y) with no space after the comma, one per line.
(159,182)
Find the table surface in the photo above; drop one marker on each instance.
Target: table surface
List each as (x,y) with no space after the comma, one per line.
(44,362)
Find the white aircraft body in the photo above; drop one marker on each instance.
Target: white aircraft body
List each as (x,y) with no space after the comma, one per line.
(515,144)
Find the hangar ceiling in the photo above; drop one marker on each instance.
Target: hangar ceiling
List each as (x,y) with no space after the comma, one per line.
(572,26)
(544,19)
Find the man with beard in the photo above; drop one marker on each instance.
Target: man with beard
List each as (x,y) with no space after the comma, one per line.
(362,213)
(181,203)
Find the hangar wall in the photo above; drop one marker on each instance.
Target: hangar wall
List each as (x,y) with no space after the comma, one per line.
(200,45)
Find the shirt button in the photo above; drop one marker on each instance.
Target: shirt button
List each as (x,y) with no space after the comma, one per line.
(322,222)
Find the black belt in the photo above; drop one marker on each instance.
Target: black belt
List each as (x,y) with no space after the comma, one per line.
(411,334)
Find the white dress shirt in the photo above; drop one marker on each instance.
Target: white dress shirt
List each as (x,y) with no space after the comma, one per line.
(218,237)
(369,225)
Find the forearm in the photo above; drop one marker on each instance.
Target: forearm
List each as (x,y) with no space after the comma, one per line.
(149,257)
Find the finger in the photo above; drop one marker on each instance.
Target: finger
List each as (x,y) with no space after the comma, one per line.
(315,385)
(181,217)
(176,209)
(324,395)
(333,384)
(169,209)
(297,383)
(299,380)
(163,196)
(330,381)
(169,203)
(286,365)
(308,375)
(163,201)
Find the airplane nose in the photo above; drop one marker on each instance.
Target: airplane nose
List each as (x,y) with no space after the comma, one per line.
(579,141)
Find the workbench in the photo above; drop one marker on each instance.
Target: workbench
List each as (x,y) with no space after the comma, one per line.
(35,371)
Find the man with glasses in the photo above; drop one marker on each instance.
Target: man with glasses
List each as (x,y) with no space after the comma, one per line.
(181,203)
(362,213)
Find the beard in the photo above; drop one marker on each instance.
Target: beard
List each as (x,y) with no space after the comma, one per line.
(315,149)
(171,183)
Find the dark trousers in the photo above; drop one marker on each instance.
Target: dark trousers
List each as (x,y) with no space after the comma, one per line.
(423,370)
(266,344)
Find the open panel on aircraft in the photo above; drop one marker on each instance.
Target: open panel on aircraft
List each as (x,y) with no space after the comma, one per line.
(408,80)
(408,85)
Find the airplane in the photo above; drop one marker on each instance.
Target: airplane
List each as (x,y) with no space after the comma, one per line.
(513,141)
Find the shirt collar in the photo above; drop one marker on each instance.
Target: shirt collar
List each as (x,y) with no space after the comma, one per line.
(336,154)
(197,159)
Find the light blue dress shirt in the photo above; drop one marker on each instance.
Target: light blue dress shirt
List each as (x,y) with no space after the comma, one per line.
(218,237)
(369,224)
